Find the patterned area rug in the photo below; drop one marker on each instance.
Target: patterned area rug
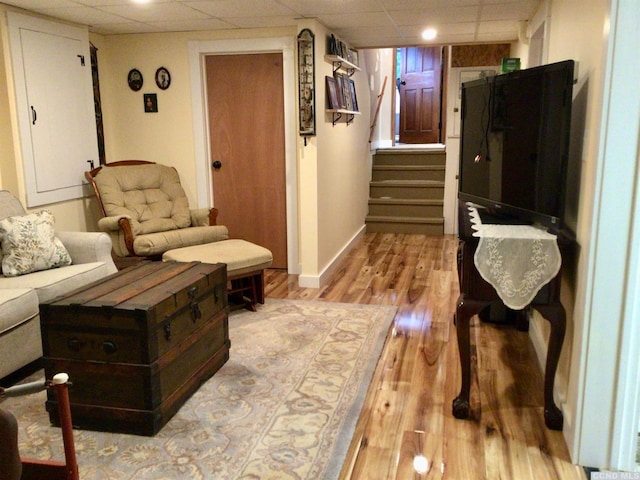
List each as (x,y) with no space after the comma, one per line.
(284,406)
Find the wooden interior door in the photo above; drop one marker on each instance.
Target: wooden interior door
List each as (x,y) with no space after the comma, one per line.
(420,97)
(245,99)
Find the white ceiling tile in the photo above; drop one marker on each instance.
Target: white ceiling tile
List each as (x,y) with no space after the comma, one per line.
(124,28)
(192,25)
(363,20)
(496,37)
(244,8)
(262,22)
(105,3)
(83,15)
(456,29)
(155,12)
(359,22)
(425,5)
(37,5)
(435,16)
(498,27)
(520,11)
(318,7)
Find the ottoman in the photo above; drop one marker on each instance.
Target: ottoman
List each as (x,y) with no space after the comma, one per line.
(245,262)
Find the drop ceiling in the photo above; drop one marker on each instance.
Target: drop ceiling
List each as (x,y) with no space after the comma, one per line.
(361,23)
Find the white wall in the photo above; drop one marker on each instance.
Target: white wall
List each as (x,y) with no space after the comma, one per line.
(380,65)
(575,31)
(455,78)
(604,379)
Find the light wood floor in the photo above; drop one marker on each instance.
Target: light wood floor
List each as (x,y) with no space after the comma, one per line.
(406,429)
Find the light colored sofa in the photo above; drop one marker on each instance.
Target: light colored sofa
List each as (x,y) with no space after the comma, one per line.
(20,296)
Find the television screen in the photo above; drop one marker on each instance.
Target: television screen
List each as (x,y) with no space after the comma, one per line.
(515,144)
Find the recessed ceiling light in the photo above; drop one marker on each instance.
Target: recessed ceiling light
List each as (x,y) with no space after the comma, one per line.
(429,34)
(141,2)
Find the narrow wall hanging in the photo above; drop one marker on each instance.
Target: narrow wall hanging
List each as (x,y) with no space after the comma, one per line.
(306,83)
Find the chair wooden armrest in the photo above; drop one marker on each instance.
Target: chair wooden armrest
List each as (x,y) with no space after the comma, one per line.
(125,225)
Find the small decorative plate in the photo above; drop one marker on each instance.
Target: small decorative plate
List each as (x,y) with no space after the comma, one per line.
(135,79)
(163,78)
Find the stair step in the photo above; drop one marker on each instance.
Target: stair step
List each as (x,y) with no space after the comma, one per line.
(408,172)
(408,150)
(425,220)
(409,157)
(425,226)
(407,189)
(406,207)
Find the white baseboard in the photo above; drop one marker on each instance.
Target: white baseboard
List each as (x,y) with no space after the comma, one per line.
(380,144)
(317,281)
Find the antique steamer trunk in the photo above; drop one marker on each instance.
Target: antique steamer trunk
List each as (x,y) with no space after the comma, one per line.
(137,344)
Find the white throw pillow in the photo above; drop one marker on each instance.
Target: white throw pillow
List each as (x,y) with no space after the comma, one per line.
(29,244)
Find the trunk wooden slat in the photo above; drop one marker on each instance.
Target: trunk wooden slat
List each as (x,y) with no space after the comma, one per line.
(137,344)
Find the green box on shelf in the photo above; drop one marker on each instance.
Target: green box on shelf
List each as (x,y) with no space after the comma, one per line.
(510,64)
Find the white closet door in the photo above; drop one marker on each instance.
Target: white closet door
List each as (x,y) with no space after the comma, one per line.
(55,109)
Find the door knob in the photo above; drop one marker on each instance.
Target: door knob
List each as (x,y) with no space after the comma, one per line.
(217,164)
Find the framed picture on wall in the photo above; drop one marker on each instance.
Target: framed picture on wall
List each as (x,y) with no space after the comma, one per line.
(134,79)
(354,98)
(332,93)
(150,102)
(163,78)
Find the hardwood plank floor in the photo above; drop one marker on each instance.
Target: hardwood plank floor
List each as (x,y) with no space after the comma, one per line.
(406,429)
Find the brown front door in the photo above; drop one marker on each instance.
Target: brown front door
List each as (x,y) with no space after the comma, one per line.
(245,100)
(419,89)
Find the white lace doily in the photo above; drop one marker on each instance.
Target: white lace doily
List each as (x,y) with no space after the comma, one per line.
(517,260)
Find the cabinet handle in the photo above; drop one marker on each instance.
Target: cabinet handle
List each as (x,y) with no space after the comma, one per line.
(34,115)
(196,314)
(73,344)
(109,347)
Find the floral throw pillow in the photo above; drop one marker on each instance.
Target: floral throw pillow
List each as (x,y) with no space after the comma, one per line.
(29,244)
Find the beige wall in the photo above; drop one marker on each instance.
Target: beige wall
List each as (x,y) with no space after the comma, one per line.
(344,167)
(577,31)
(7,169)
(333,169)
(580,33)
(166,136)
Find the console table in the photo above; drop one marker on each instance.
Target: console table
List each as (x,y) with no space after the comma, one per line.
(476,294)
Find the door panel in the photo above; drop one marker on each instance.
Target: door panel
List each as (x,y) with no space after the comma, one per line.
(55,107)
(419,89)
(246,129)
(55,75)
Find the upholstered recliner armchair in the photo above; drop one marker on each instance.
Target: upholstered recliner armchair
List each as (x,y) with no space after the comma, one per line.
(146,211)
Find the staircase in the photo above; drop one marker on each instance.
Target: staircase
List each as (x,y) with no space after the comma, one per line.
(406,191)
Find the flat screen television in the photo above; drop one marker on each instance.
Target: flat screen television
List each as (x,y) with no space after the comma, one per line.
(514,144)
